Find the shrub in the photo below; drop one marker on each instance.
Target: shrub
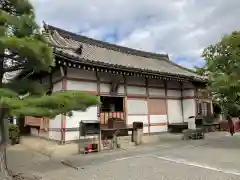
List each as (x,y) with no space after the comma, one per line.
(14,133)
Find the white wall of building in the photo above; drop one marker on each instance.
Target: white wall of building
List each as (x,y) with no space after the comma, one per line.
(81,85)
(76,118)
(156,92)
(134,90)
(189,108)
(55,124)
(174,110)
(188,93)
(174,93)
(137,106)
(158,119)
(137,110)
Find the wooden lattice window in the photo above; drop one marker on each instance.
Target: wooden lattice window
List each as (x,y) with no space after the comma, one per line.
(204,108)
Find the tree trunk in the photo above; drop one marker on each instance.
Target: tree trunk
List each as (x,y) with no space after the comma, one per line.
(3,160)
(3,143)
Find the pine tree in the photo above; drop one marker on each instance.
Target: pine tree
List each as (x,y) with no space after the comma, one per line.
(23,52)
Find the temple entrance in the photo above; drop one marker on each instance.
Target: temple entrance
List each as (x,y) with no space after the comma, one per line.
(111,107)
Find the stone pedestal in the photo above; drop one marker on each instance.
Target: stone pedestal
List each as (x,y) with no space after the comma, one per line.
(191,123)
(137,136)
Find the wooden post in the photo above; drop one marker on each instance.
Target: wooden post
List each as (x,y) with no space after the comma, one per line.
(99,116)
(166,102)
(182,102)
(147,98)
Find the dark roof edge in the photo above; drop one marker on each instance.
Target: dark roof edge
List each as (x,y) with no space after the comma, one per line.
(85,61)
(115,47)
(175,64)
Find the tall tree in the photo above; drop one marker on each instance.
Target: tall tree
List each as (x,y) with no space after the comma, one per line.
(223,67)
(23,52)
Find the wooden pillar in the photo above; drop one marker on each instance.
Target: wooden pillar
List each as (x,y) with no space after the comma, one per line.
(125,100)
(63,116)
(166,102)
(147,91)
(196,100)
(181,86)
(98,93)
(99,113)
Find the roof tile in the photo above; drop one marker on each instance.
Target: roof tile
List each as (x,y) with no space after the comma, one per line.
(98,51)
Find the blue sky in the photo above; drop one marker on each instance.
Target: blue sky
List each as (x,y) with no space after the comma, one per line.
(180,28)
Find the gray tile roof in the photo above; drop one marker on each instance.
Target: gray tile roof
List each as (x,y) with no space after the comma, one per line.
(110,54)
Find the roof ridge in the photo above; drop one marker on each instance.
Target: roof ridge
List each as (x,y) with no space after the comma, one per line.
(108,45)
(114,47)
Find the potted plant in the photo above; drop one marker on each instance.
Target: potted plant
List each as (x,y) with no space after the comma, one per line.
(14,134)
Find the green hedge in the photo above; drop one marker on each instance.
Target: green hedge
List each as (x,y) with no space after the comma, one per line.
(14,134)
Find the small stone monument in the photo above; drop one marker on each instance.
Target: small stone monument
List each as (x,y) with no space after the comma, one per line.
(191,123)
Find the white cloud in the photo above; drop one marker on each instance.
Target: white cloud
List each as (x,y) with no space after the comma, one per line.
(182,28)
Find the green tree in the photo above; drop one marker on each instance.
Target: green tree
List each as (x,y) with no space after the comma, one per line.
(223,67)
(23,52)
(200,70)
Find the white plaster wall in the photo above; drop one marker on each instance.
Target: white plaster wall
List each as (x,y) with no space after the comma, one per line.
(105,88)
(156,129)
(76,118)
(57,86)
(72,135)
(81,85)
(173,84)
(174,93)
(158,118)
(121,89)
(189,108)
(137,118)
(136,90)
(89,114)
(137,106)
(145,130)
(55,122)
(156,92)
(80,73)
(174,111)
(188,93)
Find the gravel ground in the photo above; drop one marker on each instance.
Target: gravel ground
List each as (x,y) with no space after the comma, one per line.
(142,168)
(215,158)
